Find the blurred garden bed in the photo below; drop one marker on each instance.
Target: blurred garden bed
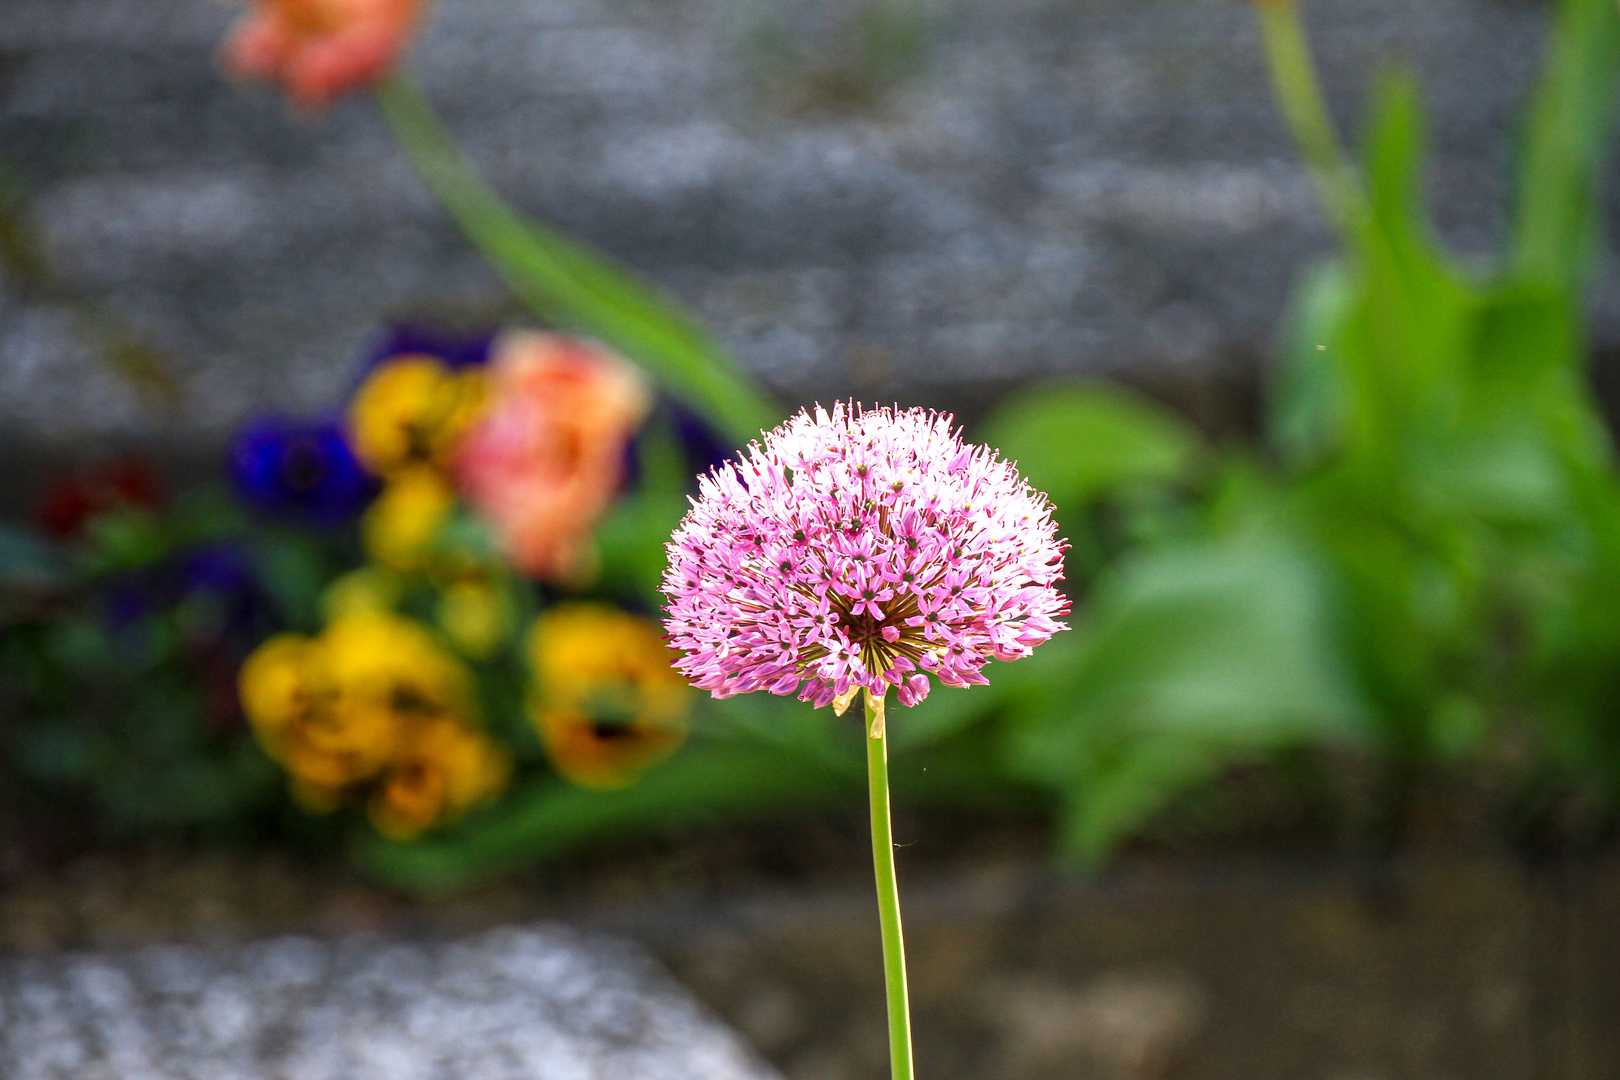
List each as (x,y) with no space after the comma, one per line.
(1260,954)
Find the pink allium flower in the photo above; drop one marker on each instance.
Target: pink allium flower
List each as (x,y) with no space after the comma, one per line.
(861,549)
(320,49)
(544,461)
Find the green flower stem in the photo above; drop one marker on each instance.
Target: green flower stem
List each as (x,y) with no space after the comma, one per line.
(567,283)
(888,891)
(1299,95)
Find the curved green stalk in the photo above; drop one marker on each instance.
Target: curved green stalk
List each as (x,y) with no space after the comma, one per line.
(888,890)
(1299,94)
(567,283)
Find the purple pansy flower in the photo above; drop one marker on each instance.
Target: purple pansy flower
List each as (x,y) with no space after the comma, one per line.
(299,469)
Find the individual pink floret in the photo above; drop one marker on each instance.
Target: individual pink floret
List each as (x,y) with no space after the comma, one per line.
(861,549)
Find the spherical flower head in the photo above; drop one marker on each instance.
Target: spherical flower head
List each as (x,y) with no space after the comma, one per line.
(300,470)
(320,50)
(861,549)
(545,460)
(607,702)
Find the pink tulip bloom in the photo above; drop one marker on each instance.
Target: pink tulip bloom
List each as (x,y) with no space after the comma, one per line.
(546,459)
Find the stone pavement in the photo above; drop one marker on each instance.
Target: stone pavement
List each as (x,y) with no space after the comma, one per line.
(1064,186)
(541,1003)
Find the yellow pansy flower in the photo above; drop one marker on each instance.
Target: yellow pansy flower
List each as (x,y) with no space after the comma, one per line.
(607,703)
(413,410)
(294,701)
(373,700)
(443,769)
(400,525)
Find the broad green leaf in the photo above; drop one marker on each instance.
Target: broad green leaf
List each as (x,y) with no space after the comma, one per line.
(1529,362)
(548,819)
(1193,657)
(1231,639)
(1404,341)
(1078,441)
(1508,475)
(1147,775)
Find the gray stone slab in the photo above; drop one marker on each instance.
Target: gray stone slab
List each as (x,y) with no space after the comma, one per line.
(539,1003)
(1097,186)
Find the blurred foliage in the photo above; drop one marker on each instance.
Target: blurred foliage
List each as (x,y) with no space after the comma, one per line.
(1423,569)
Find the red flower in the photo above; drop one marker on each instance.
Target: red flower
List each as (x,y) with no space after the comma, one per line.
(69,500)
(320,50)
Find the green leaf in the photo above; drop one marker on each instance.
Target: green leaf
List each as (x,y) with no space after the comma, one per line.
(1570,125)
(704,784)
(1078,441)
(1194,657)
(1404,341)
(565,282)
(1231,639)
(631,540)
(28,561)
(1306,395)
(1529,364)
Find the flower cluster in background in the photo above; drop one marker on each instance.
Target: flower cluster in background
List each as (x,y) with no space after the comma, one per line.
(477,469)
(405,607)
(373,704)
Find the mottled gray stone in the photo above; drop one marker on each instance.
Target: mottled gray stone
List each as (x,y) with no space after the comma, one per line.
(542,1003)
(1068,186)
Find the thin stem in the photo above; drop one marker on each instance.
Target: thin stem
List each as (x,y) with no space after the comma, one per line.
(888,891)
(1299,95)
(569,284)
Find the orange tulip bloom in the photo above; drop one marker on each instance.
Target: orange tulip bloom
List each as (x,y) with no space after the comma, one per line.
(544,461)
(320,49)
